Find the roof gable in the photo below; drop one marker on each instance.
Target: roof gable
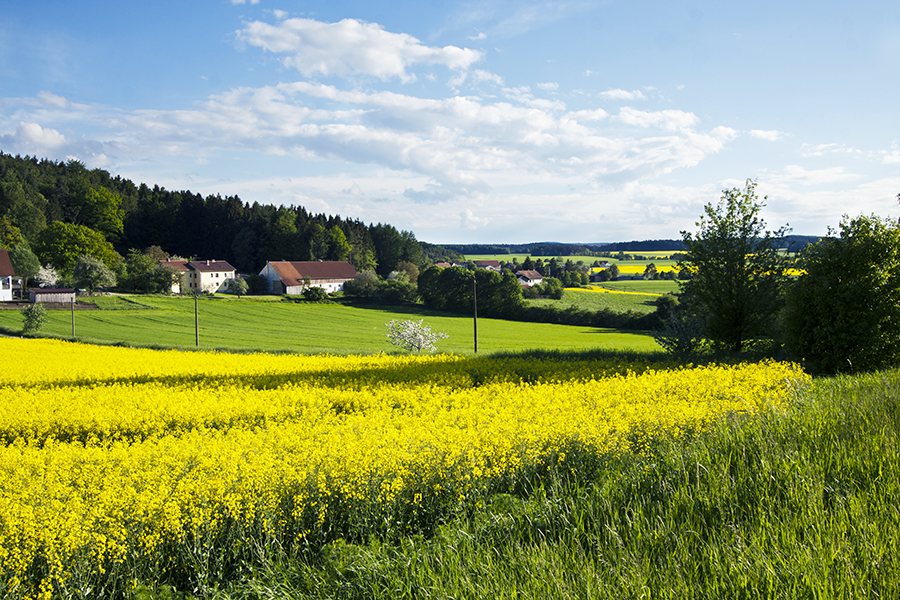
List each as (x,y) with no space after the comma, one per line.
(6,268)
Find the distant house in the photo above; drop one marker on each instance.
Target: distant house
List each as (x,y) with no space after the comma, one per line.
(292,277)
(490,265)
(200,275)
(45,295)
(7,277)
(530,278)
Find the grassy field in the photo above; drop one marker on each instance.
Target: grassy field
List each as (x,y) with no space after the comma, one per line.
(271,324)
(597,298)
(639,286)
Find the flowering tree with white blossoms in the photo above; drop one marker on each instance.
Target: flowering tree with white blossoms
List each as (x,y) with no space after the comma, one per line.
(47,276)
(413,335)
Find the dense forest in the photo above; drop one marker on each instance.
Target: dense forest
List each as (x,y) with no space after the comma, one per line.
(48,204)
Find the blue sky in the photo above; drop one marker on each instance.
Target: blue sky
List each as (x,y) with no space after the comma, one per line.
(489,121)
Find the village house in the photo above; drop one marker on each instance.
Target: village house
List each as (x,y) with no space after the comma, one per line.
(490,265)
(200,275)
(8,279)
(292,277)
(529,278)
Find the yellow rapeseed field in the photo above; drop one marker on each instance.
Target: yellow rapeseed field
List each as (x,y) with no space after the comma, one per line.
(115,460)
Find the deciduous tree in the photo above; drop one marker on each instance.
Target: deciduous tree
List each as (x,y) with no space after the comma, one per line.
(91,274)
(843,313)
(413,335)
(738,270)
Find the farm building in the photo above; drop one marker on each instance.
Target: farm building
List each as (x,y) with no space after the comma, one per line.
(292,277)
(200,275)
(8,280)
(51,295)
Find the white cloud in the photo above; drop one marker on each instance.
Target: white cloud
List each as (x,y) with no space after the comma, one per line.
(460,147)
(891,159)
(797,174)
(35,138)
(549,86)
(671,120)
(468,220)
(623,95)
(808,150)
(351,47)
(770,135)
(479,76)
(481,36)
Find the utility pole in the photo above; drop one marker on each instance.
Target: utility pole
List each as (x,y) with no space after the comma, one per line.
(196,322)
(475,311)
(73,316)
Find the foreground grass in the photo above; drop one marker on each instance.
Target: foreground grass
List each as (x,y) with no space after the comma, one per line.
(272,325)
(800,503)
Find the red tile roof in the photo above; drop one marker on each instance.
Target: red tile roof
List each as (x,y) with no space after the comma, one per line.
(529,274)
(6,268)
(294,272)
(487,263)
(178,264)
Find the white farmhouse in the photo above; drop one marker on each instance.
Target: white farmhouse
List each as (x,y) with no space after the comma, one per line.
(201,275)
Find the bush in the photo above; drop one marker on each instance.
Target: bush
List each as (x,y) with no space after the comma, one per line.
(237,286)
(35,316)
(363,285)
(315,294)
(395,291)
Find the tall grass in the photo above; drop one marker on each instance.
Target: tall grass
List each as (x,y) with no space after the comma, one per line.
(802,502)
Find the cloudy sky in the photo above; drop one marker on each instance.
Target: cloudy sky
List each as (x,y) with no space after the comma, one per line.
(488,121)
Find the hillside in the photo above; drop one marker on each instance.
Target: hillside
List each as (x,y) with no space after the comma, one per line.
(92,203)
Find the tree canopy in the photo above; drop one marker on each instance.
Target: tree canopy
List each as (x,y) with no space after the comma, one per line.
(843,313)
(738,270)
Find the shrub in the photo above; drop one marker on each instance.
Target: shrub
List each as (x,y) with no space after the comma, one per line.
(315,294)
(35,316)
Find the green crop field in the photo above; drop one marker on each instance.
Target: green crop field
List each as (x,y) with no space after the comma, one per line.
(594,299)
(661,286)
(270,324)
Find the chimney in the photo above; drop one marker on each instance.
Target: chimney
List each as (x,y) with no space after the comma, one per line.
(207,263)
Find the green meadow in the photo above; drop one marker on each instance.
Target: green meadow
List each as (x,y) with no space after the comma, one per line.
(273,324)
(593,299)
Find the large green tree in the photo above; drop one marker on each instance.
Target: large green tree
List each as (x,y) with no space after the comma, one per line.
(738,270)
(843,312)
(25,263)
(60,245)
